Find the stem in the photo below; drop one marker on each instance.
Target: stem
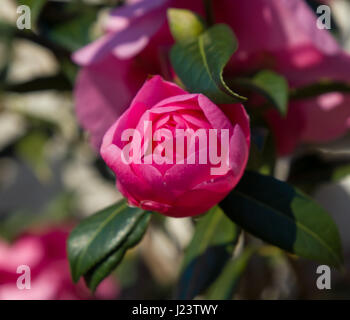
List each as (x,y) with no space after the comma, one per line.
(209,13)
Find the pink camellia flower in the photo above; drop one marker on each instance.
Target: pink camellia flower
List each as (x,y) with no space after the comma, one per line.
(44,253)
(282,35)
(197,151)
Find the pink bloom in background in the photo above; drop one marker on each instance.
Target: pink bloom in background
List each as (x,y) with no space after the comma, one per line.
(177,189)
(283,35)
(136,44)
(273,34)
(45,254)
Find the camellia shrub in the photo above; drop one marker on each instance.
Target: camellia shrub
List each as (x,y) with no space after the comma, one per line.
(190,104)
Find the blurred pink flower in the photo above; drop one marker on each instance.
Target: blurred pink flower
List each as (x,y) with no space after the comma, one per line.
(45,254)
(283,35)
(173,188)
(115,66)
(273,34)
(136,44)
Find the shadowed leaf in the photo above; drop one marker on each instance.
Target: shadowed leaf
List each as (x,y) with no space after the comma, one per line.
(283,216)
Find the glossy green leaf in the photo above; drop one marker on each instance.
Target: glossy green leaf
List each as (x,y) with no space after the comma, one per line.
(274,87)
(283,216)
(185,24)
(106,266)
(98,236)
(211,246)
(199,63)
(226,284)
(271,85)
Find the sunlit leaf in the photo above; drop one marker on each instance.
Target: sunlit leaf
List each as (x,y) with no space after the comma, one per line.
(199,63)
(93,242)
(271,85)
(106,266)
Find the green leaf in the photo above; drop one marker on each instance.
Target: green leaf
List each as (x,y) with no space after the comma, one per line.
(226,284)
(199,63)
(106,266)
(185,24)
(283,216)
(274,87)
(98,236)
(271,85)
(211,246)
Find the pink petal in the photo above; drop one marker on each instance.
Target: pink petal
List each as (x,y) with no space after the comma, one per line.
(123,17)
(126,177)
(153,91)
(273,25)
(156,90)
(239,153)
(325,120)
(237,114)
(103,92)
(127,42)
(26,251)
(213,113)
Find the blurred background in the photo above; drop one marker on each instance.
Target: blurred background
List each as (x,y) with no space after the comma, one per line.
(50,177)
